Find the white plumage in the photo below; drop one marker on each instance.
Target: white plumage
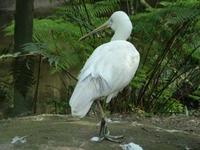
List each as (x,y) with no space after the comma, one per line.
(109,69)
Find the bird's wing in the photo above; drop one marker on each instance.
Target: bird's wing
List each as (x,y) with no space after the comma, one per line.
(83,96)
(115,62)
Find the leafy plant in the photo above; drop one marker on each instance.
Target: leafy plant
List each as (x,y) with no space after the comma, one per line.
(167,37)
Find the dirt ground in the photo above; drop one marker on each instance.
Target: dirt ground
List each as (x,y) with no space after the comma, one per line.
(57,132)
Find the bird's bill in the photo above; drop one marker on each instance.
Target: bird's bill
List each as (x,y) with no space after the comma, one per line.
(100,28)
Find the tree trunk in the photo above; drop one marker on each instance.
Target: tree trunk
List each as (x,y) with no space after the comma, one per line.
(22,66)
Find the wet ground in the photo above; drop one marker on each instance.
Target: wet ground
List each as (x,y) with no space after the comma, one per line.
(50,132)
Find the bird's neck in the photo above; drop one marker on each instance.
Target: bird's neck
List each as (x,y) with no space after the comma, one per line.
(121,35)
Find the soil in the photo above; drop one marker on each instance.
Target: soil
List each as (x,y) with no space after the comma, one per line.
(59,132)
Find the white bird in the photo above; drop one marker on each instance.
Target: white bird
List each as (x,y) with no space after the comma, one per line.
(108,70)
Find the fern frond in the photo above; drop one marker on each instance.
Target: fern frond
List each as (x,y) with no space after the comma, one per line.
(105,7)
(179,15)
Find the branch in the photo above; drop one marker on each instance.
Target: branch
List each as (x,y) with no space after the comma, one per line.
(15,55)
(144,3)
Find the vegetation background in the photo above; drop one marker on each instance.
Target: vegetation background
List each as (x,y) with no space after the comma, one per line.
(40,65)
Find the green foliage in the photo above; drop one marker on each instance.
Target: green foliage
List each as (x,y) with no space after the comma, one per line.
(101,8)
(195,97)
(167,37)
(161,36)
(54,41)
(139,80)
(173,106)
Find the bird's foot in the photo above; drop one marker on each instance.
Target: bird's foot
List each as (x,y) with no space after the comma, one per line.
(111,138)
(104,134)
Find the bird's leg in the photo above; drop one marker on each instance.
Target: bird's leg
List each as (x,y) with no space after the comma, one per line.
(104,133)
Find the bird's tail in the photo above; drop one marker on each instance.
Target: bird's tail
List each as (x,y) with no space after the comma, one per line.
(82,98)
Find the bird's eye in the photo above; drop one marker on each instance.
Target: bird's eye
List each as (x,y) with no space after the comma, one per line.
(110,22)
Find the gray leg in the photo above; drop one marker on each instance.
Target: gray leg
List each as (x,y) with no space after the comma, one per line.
(104,133)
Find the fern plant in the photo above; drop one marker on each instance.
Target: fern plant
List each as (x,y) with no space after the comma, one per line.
(167,37)
(154,83)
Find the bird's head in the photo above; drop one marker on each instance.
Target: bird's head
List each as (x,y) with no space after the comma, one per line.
(119,21)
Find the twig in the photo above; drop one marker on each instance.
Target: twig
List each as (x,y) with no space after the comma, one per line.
(143,2)
(35,98)
(16,55)
(70,75)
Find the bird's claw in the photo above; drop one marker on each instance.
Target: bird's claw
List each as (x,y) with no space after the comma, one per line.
(111,138)
(116,139)
(105,135)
